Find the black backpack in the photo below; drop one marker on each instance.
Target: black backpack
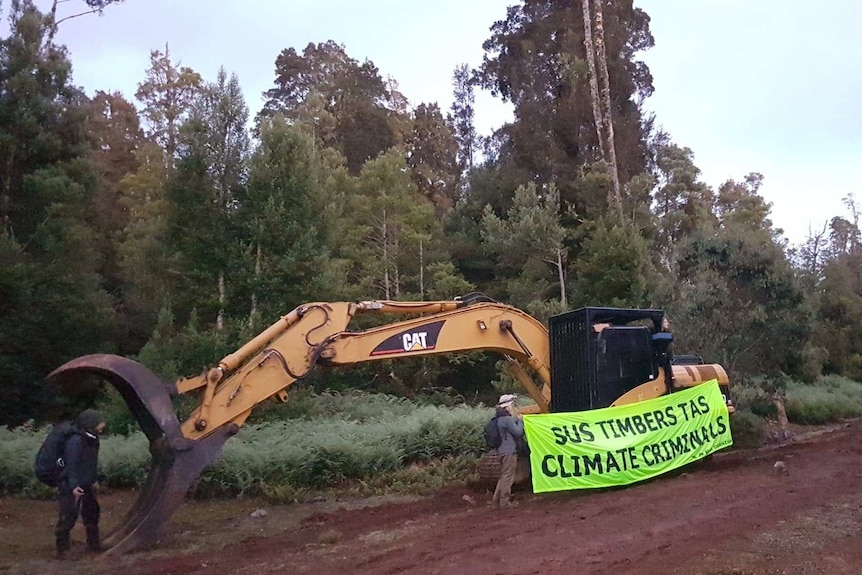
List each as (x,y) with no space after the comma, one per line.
(49,461)
(493,438)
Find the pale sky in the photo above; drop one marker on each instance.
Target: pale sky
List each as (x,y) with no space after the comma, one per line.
(768,86)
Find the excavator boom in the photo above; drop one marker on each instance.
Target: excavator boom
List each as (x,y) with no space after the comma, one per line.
(312,334)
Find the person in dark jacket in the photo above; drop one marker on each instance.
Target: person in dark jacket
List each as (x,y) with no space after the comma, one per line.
(78,482)
(511,426)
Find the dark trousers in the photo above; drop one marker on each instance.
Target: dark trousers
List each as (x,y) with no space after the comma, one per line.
(70,506)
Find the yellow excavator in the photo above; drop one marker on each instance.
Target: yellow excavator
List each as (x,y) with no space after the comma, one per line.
(588,358)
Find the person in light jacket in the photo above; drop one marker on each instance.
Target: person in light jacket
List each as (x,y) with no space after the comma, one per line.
(511,426)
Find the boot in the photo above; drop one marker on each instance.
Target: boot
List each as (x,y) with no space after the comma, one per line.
(93,543)
(62,545)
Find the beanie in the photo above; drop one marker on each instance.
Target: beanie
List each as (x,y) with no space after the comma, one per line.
(88,420)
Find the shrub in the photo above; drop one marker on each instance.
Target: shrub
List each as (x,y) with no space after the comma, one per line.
(748,429)
(18,449)
(334,439)
(830,398)
(751,395)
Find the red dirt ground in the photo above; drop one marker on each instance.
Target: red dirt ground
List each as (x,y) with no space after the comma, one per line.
(734,514)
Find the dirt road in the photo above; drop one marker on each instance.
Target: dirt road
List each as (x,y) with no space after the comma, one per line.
(734,514)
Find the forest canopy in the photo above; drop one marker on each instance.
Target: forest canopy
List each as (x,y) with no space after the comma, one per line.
(170,225)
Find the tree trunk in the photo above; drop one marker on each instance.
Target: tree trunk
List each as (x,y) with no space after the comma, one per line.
(781,412)
(397,281)
(386,285)
(222,298)
(591,64)
(257,266)
(6,197)
(396,274)
(171,98)
(386,280)
(608,116)
(562,275)
(421,270)
(854,232)
(53,29)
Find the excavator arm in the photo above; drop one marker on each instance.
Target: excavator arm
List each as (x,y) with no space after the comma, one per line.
(314,334)
(311,335)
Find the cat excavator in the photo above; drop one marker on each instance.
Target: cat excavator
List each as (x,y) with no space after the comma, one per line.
(587,358)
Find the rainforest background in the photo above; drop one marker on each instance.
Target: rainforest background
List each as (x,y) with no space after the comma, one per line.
(170,226)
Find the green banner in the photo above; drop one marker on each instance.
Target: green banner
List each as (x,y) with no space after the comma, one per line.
(628,443)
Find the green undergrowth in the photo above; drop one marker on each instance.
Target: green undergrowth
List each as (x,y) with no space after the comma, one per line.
(829,399)
(362,443)
(365,441)
(748,429)
(417,478)
(832,398)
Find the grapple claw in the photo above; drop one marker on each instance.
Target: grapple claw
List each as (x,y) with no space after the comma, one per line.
(176,461)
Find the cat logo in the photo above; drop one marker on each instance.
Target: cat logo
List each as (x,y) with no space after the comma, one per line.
(415,341)
(411,340)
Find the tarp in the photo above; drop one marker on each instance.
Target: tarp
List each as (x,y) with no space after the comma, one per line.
(628,443)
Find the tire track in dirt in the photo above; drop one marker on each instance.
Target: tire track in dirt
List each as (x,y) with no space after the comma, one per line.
(653,528)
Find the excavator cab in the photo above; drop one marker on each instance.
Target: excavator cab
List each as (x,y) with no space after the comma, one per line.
(603,356)
(599,353)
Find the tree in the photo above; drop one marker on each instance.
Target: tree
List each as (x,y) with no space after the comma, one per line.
(387,216)
(740,204)
(219,116)
(145,260)
(325,78)
(590,50)
(463,118)
(281,223)
(683,205)
(52,304)
(811,257)
(839,316)
(398,108)
(830,264)
(613,266)
(197,234)
(115,133)
(531,241)
(115,136)
(167,95)
(317,121)
(739,299)
(601,99)
(217,125)
(607,115)
(741,305)
(432,156)
(535,58)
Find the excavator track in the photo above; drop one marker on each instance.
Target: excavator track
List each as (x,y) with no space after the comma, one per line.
(176,461)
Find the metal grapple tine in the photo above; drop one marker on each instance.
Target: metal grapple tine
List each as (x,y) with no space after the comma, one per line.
(148,397)
(154,484)
(169,480)
(176,461)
